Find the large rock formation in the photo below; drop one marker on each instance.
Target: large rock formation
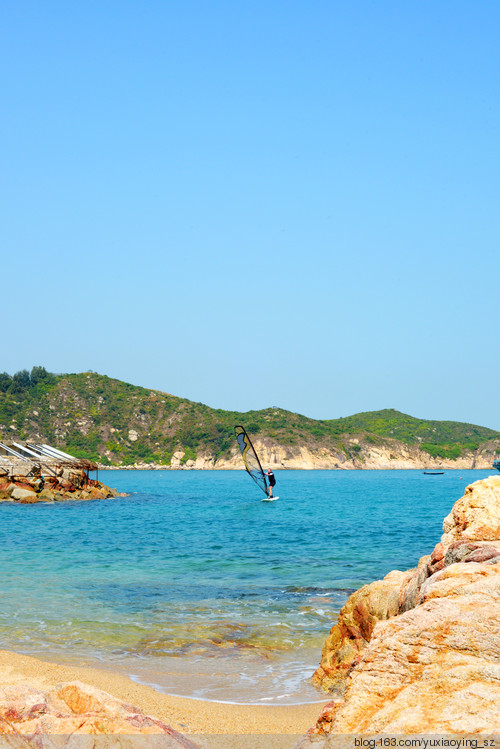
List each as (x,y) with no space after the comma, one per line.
(69,484)
(419,652)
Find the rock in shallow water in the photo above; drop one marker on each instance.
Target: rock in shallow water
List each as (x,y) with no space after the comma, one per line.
(29,491)
(357,619)
(432,663)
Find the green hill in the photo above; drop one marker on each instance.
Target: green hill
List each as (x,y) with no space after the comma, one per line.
(94,416)
(439,438)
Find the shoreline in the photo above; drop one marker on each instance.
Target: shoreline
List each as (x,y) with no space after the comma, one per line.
(161,467)
(190,716)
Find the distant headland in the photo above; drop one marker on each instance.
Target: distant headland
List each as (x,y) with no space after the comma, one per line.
(119,425)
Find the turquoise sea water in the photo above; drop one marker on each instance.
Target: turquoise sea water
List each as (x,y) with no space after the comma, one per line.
(193,585)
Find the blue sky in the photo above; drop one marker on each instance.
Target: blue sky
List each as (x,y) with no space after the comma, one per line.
(254,204)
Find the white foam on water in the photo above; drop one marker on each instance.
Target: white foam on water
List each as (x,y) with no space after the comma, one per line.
(233,680)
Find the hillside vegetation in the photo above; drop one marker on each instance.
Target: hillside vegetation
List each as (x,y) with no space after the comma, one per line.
(94,416)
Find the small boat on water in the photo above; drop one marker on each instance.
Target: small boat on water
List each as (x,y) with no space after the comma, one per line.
(433,473)
(496,464)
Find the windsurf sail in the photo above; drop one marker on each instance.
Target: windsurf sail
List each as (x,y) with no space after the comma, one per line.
(251,459)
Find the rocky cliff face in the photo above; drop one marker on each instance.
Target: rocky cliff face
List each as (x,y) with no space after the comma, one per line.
(419,652)
(361,455)
(392,455)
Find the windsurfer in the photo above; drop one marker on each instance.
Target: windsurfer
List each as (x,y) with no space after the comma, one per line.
(272,481)
(252,462)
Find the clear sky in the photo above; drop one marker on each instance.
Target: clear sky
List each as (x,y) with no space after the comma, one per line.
(287,203)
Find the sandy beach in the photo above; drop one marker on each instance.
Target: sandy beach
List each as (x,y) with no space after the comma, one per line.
(188,716)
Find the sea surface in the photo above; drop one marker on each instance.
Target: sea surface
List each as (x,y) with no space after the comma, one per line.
(195,586)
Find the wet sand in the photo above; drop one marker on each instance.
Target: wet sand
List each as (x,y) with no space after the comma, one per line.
(186,715)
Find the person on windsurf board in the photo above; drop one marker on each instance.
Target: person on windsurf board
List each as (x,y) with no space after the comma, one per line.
(272,481)
(253,465)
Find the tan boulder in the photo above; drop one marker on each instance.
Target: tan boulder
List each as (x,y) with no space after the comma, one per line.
(476,515)
(84,698)
(24,495)
(464,580)
(410,588)
(18,704)
(95,493)
(6,489)
(77,708)
(24,482)
(364,608)
(46,495)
